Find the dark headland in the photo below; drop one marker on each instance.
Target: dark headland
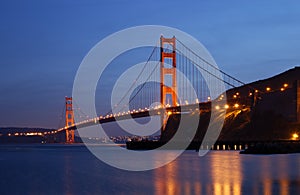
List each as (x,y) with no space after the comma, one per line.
(266,118)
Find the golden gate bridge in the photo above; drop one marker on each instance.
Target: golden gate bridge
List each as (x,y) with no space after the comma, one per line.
(186,79)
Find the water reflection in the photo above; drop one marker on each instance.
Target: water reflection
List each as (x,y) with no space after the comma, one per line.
(284,183)
(226,174)
(266,177)
(206,175)
(229,173)
(53,170)
(67,175)
(167,180)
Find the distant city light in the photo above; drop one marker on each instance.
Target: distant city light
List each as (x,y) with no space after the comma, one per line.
(285,85)
(268,89)
(281,89)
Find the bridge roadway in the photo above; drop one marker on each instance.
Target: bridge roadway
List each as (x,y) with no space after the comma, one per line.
(203,107)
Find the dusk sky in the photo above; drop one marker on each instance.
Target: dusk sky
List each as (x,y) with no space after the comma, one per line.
(44,42)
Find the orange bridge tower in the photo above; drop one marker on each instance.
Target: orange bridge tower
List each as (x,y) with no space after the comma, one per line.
(69,120)
(168,91)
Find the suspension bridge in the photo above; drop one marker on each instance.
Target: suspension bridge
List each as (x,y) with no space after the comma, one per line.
(185,80)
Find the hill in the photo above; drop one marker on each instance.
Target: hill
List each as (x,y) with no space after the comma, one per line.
(267,110)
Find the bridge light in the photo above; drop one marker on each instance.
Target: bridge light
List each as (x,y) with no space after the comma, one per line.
(237,93)
(285,85)
(236,105)
(281,89)
(169,113)
(186,102)
(226,106)
(256,91)
(250,94)
(268,89)
(234,96)
(197,101)
(208,98)
(217,107)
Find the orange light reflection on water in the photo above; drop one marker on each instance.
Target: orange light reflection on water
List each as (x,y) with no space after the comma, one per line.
(226,174)
(165,182)
(170,179)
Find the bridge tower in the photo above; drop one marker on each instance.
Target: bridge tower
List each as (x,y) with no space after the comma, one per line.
(168,91)
(69,120)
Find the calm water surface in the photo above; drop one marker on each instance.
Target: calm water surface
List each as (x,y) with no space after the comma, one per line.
(59,169)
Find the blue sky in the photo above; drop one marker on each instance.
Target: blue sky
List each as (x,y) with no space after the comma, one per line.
(43,43)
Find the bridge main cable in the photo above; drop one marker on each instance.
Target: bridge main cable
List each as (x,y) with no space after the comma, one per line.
(205,61)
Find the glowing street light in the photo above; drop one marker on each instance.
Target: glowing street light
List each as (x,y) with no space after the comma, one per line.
(295,136)
(236,105)
(285,85)
(268,89)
